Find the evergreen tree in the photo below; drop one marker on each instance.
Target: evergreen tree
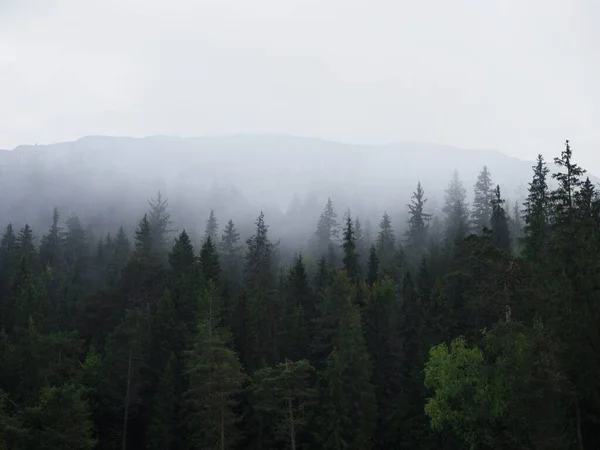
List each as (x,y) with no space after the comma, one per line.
(209,260)
(327,233)
(230,252)
(499,223)
(456,209)
(418,222)
(212,227)
(481,214)
(163,427)
(215,378)
(569,179)
(61,419)
(52,244)
(120,254)
(159,221)
(536,212)
(285,392)
(386,246)
(373,266)
(182,257)
(348,404)
(350,255)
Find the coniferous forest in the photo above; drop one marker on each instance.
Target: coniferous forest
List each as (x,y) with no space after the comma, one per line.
(480,333)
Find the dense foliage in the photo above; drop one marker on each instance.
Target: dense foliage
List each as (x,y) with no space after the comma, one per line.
(428,339)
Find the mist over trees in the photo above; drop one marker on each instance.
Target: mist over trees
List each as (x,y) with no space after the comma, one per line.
(470,323)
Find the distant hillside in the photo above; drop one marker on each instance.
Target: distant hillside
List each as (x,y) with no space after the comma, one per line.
(237,175)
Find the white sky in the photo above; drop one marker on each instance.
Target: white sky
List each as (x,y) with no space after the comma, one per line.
(516,75)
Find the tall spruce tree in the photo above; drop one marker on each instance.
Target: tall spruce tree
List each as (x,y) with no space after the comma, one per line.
(327,233)
(386,245)
(348,403)
(456,209)
(159,220)
(350,254)
(212,228)
(481,213)
(499,222)
(536,214)
(418,222)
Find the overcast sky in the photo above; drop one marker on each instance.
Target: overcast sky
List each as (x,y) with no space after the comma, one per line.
(519,76)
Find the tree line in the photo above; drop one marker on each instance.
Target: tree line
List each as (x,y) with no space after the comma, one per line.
(477,329)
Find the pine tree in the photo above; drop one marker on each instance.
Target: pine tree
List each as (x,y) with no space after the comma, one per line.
(536,212)
(215,378)
(456,209)
(481,214)
(212,227)
(9,263)
(499,223)
(349,247)
(417,223)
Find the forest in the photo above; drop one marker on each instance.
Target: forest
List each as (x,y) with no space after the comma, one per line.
(476,328)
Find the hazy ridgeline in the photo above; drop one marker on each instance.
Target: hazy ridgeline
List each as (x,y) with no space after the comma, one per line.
(107,181)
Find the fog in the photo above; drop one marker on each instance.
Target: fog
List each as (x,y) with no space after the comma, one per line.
(107,181)
(229,87)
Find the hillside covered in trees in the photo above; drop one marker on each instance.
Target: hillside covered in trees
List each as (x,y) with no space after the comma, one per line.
(473,324)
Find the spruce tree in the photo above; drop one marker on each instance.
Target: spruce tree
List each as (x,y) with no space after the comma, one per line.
(284,392)
(230,252)
(212,228)
(349,247)
(327,233)
(373,266)
(215,376)
(164,422)
(499,222)
(159,221)
(416,236)
(209,261)
(481,213)
(456,209)
(536,212)
(348,405)
(386,246)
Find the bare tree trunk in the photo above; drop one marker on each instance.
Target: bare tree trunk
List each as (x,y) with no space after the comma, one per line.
(125,417)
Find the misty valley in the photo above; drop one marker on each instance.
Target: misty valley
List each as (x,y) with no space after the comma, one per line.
(275,292)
